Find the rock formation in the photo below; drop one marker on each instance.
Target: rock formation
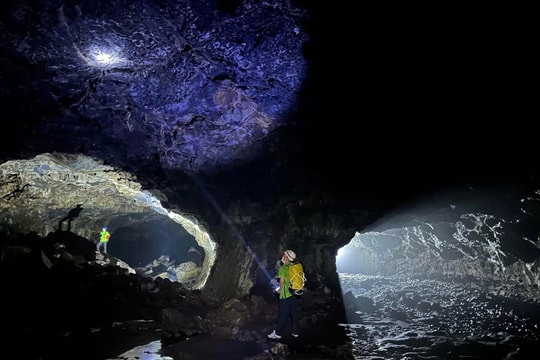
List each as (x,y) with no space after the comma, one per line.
(259,126)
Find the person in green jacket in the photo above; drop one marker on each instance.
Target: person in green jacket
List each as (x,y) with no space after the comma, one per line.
(104,237)
(288,301)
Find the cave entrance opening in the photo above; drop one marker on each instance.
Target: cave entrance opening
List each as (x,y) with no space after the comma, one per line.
(354,257)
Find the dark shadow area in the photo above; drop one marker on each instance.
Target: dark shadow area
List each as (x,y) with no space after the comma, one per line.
(71,215)
(56,295)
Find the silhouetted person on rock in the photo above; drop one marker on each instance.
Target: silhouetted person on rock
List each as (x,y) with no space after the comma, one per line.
(72,214)
(104,237)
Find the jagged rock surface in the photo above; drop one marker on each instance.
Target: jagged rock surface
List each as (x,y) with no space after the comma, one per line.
(260,126)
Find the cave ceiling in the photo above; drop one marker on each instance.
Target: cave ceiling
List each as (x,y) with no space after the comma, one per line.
(262,100)
(181,85)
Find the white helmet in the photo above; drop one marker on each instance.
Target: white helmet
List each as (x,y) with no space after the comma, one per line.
(290,255)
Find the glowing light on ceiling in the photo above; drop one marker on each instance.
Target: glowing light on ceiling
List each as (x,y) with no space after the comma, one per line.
(100,56)
(104,58)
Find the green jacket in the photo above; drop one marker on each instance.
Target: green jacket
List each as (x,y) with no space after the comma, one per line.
(104,236)
(284,291)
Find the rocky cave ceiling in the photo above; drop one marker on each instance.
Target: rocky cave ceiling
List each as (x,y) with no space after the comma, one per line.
(236,115)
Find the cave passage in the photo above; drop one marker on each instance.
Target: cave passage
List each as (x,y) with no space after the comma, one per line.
(140,243)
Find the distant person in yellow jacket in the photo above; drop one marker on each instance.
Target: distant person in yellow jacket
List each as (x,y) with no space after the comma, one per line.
(104,237)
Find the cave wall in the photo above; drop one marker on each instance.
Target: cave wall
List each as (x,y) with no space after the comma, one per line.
(258,81)
(253,234)
(242,232)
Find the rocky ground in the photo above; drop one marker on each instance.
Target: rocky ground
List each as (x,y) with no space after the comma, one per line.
(63,300)
(404,318)
(389,318)
(83,306)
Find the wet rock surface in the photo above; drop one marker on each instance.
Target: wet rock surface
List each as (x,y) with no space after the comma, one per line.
(404,318)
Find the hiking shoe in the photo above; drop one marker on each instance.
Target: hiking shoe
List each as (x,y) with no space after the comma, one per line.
(294,335)
(273,335)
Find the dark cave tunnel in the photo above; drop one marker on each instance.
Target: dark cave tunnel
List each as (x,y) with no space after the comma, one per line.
(141,243)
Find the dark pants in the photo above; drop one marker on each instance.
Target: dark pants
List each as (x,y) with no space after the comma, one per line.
(287,311)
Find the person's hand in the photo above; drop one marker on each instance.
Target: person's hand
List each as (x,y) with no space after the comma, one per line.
(275,285)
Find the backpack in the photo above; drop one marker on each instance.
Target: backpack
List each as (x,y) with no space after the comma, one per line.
(297,278)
